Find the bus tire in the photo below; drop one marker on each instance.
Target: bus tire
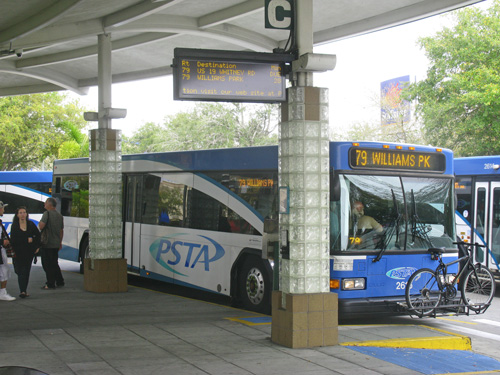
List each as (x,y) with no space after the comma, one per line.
(84,253)
(254,285)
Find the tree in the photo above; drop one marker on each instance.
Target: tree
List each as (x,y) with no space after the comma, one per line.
(150,137)
(76,146)
(33,128)
(206,126)
(459,101)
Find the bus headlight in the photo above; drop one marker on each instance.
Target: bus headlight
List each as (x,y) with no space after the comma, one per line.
(353,284)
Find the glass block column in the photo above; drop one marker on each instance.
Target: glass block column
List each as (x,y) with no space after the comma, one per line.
(304,168)
(304,312)
(105,201)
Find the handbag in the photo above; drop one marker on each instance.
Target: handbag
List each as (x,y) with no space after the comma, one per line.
(44,234)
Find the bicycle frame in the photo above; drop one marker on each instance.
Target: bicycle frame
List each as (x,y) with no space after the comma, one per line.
(442,270)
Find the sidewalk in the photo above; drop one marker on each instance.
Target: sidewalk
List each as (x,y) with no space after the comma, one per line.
(70,331)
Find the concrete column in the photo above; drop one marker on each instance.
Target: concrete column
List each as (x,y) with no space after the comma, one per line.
(104,78)
(105,270)
(304,312)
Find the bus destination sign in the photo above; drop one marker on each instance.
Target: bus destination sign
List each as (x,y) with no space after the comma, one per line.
(401,160)
(228,76)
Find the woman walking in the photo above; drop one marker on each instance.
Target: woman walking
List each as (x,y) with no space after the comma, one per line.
(25,240)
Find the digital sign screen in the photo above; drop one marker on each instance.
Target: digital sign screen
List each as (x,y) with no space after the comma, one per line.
(229,76)
(401,160)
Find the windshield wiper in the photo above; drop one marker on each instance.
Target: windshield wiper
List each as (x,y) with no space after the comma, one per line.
(418,229)
(392,229)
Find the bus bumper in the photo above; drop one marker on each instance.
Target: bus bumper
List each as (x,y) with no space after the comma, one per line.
(357,307)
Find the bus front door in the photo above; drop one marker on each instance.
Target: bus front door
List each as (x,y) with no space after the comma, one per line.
(494,226)
(133,212)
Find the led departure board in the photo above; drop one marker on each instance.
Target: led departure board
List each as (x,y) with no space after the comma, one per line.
(229,76)
(374,158)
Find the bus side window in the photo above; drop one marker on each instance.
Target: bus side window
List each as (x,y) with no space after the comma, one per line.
(171,204)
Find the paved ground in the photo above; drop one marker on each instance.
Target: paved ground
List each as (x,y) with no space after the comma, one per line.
(70,331)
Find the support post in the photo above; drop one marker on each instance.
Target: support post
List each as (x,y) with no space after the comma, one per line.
(304,312)
(105,270)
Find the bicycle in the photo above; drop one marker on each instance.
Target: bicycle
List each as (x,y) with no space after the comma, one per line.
(426,288)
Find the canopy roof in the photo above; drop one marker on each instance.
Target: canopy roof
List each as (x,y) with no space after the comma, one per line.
(49,45)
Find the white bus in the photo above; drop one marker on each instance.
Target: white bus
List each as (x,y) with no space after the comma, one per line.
(24,188)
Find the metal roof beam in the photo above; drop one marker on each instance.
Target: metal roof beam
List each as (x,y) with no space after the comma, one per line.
(186,25)
(62,33)
(81,53)
(46,75)
(390,19)
(131,76)
(230,13)
(37,21)
(30,89)
(136,12)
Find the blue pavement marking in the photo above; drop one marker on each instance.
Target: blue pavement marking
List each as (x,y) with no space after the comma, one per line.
(433,361)
(253,320)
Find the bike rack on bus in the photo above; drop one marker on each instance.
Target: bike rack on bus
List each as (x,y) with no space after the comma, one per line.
(450,308)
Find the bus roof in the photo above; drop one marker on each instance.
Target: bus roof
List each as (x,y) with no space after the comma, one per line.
(19,177)
(477,165)
(244,158)
(264,157)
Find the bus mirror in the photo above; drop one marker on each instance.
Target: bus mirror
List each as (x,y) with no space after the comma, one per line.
(270,239)
(335,186)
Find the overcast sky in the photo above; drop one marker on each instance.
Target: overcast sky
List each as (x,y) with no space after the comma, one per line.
(363,62)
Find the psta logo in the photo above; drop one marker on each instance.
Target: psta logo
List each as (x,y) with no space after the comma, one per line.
(401,273)
(172,252)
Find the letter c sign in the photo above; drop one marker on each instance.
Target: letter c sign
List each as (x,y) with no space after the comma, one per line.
(279,14)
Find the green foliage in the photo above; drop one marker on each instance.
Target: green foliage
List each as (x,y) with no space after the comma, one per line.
(33,128)
(206,126)
(459,101)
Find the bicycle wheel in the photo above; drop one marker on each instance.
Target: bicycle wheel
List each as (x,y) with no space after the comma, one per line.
(422,292)
(478,287)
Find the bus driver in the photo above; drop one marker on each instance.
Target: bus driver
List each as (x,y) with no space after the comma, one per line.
(362,222)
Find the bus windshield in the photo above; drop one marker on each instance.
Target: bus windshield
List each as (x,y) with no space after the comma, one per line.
(391,213)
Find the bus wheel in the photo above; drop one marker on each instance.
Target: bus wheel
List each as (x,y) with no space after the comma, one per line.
(84,254)
(255,286)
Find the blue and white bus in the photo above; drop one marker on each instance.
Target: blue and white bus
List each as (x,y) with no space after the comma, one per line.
(24,188)
(196,218)
(477,185)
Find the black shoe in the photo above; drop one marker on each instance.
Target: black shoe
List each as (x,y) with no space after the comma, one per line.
(46,287)
(24,295)
(60,285)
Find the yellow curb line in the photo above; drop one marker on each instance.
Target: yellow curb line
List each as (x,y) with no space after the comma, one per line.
(457,321)
(453,342)
(446,343)
(247,322)
(472,373)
